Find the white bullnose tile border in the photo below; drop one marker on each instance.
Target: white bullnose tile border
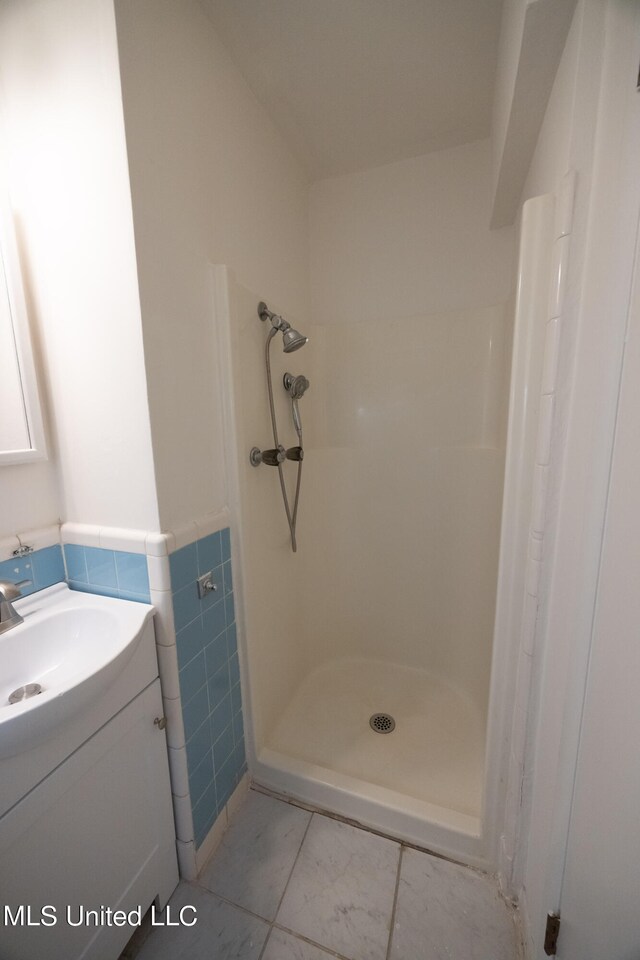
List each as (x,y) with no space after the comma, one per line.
(159,573)
(179,772)
(165,627)
(183,817)
(37,539)
(150,542)
(82,534)
(7,546)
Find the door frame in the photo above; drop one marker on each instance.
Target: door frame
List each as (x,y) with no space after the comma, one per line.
(584,433)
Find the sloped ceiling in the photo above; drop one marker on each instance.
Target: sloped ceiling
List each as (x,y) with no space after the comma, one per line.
(353,84)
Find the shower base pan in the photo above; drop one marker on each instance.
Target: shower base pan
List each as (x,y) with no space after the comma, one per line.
(422,782)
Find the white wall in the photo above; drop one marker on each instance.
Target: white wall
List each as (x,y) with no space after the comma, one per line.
(69,189)
(509,48)
(408,239)
(533,35)
(212,182)
(405,416)
(551,157)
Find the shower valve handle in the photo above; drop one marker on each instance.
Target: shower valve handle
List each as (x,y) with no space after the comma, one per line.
(295,453)
(271,457)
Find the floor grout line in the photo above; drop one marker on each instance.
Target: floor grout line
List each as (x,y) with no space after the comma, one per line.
(231,903)
(286,886)
(272,923)
(264,945)
(312,943)
(395,904)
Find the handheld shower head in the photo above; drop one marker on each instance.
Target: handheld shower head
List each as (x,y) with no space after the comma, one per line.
(292,339)
(296,387)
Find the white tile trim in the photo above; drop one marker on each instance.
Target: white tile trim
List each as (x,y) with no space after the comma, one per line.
(156,544)
(40,538)
(153,543)
(7,546)
(179,771)
(165,625)
(175,726)
(168,667)
(108,538)
(82,534)
(183,817)
(159,573)
(187,859)
(118,538)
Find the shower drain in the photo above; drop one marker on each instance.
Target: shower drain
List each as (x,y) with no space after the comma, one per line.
(382,723)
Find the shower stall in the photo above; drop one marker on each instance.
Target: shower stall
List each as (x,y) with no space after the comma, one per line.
(368,650)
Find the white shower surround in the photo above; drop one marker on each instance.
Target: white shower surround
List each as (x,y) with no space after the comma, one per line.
(274,664)
(399,402)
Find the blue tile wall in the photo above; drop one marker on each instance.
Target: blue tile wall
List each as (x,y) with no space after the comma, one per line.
(209,677)
(111,573)
(42,567)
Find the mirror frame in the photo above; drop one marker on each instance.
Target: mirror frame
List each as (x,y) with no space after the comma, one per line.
(22,337)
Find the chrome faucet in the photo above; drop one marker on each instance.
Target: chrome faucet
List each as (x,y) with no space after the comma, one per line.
(9,592)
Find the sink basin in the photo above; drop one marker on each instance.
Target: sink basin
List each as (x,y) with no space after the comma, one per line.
(73,645)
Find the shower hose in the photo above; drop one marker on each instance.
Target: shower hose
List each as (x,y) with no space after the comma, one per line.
(292,515)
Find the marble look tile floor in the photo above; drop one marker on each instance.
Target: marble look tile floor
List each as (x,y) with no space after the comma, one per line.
(286,884)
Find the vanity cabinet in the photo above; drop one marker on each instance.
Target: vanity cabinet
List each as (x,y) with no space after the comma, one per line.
(96,833)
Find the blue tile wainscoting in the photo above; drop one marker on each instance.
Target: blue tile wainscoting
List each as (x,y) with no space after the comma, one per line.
(42,568)
(209,677)
(111,573)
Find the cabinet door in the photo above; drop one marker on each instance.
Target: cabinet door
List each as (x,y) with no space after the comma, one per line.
(96,833)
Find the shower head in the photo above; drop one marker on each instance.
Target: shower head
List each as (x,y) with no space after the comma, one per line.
(292,339)
(295,386)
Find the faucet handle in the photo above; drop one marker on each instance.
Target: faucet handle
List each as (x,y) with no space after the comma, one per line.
(10,590)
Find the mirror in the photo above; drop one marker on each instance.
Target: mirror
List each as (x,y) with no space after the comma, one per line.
(21,430)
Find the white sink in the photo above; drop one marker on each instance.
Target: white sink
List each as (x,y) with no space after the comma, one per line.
(73,645)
